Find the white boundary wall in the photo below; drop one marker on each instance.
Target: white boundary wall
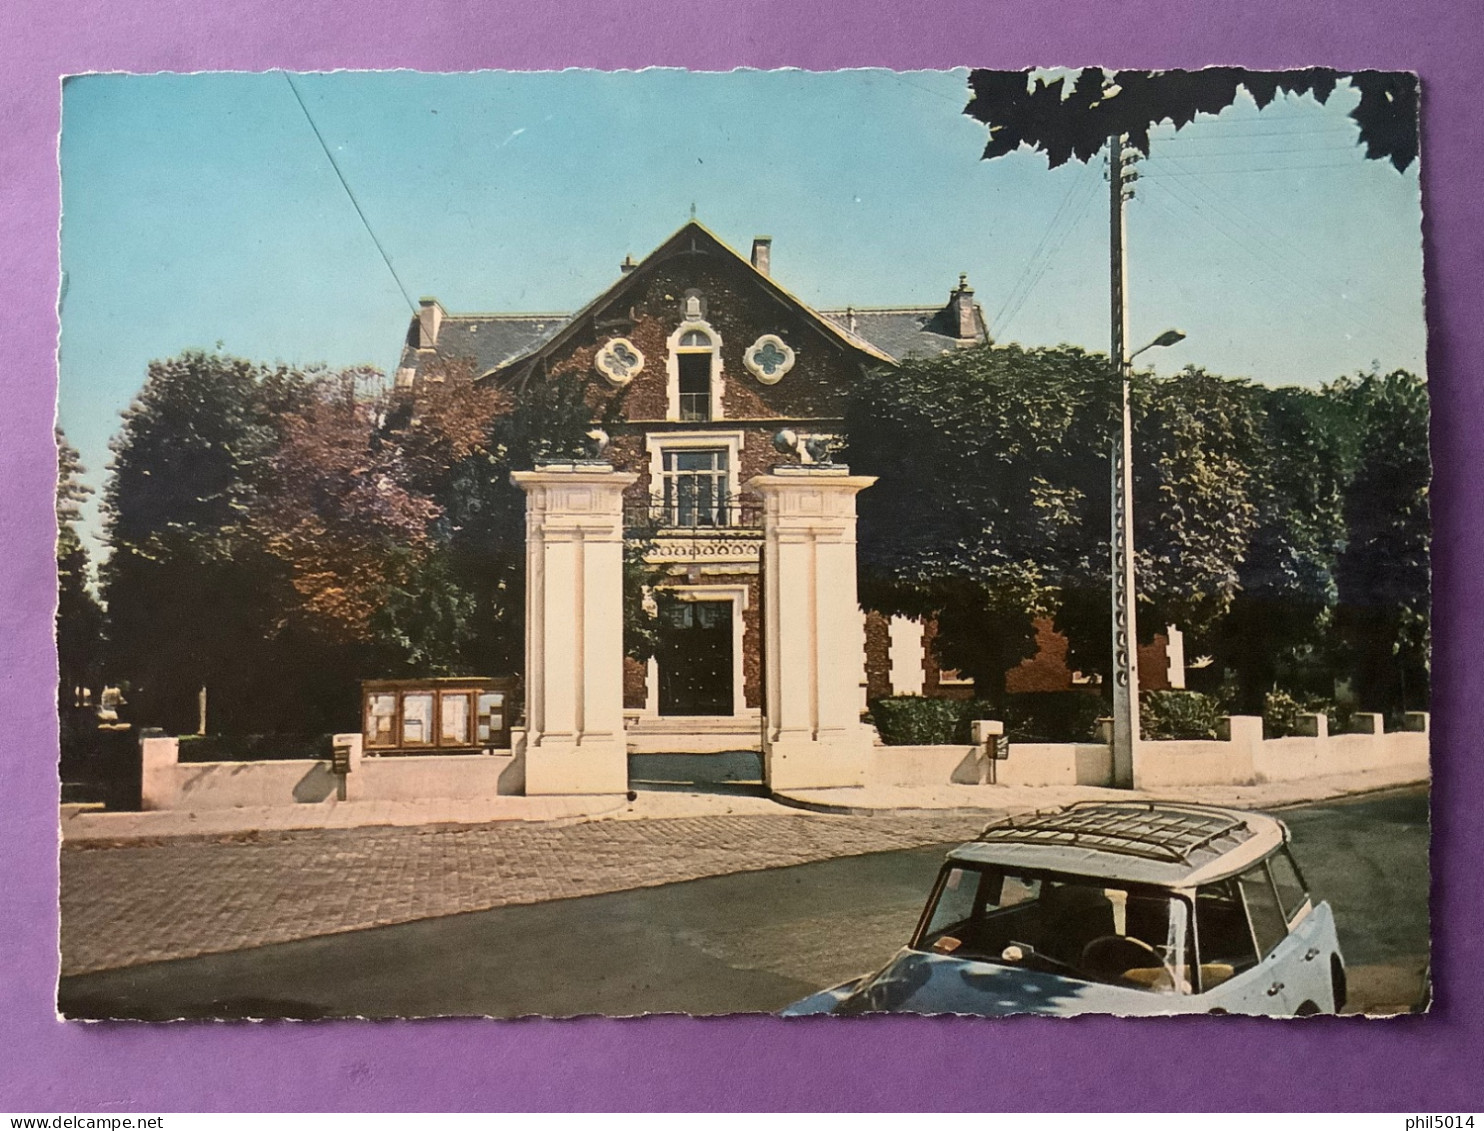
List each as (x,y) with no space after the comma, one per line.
(171,784)
(1244,758)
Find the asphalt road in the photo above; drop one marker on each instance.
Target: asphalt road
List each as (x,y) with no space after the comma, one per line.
(748,942)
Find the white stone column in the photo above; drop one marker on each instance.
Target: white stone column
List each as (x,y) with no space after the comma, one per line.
(574,740)
(812,655)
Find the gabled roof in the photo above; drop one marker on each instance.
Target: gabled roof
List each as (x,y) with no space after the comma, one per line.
(504,343)
(694,238)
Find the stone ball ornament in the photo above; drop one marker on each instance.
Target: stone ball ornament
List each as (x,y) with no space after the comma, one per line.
(619,361)
(768,359)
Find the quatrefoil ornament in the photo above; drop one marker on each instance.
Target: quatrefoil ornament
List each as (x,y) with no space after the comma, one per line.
(768,359)
(619,361)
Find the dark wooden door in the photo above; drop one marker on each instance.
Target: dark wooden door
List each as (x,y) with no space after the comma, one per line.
(695,658)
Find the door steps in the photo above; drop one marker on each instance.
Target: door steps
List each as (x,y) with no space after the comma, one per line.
(692,734)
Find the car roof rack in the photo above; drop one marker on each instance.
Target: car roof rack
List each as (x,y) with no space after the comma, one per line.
(1152,831)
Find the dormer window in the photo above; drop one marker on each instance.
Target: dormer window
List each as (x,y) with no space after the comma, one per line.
(694,362)
(695,373)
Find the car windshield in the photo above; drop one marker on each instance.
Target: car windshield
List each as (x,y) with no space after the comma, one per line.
(1094,930)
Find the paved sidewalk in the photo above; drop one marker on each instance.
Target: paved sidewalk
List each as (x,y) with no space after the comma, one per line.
(85,824)
(968,798)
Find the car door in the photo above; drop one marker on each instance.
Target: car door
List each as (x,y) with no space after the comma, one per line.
(1312,934)
(1248,958)
(1282,967)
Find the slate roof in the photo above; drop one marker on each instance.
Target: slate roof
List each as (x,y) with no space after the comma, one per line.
(490,339)
(903,332)
(497,339)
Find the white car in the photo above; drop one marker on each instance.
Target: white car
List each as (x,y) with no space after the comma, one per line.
(1113,907)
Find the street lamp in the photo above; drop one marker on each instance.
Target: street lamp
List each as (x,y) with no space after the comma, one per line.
(1125,623)
(1168,338)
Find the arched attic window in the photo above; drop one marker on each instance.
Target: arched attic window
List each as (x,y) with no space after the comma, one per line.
(695,373)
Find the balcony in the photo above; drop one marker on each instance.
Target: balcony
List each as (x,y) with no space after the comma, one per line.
(699,516)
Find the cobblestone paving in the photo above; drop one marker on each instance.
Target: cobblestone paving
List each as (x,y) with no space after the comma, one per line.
(126,905)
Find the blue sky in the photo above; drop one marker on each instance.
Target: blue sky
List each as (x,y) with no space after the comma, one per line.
(201,209)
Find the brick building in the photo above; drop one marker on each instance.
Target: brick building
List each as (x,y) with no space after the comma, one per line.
(701,358)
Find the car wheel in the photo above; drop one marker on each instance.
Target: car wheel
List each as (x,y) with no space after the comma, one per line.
(1308,1009)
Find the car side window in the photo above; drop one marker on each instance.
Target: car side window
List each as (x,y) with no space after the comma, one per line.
(956,901)
(1225,940)
(1291,892)
(1269,924)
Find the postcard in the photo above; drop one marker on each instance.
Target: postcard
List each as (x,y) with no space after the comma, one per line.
(855,542)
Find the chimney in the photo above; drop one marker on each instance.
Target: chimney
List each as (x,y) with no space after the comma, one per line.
(627,265)
(964,322)
(429,322)
(762,253)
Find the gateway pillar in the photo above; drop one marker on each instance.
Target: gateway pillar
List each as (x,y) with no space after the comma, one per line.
(574,741)
(812,654)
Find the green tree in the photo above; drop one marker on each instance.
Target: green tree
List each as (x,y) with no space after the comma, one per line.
(79,616)
(479,552)
(192,597)
(1383,573)
(1195,443)
(992,505)
(990,484)
(1276,634)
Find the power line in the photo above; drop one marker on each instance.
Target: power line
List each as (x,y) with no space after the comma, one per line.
(1032,262)
(1157,175)
(1073,223)
(1274,243)
(346,186)
(1314,297)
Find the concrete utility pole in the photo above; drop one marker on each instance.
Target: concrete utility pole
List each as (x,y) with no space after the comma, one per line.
(1125,630)
(1121,178)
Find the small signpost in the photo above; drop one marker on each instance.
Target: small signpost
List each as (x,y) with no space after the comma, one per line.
(340,758)
(994,745)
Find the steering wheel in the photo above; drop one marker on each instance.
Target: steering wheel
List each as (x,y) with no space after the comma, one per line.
(1101,955)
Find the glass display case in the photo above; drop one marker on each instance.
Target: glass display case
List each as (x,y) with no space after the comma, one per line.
(449,715)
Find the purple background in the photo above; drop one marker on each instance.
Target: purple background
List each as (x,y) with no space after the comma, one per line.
(1416,1063)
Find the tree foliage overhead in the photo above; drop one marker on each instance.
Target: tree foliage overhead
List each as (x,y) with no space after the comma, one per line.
(1071,117)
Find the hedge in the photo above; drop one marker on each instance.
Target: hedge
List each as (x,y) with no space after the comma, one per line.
(1049,716)
(910,720)
(254,747)
(1179,714)
(1053,716)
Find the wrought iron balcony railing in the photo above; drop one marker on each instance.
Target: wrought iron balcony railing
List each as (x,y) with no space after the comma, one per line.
(697,516)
